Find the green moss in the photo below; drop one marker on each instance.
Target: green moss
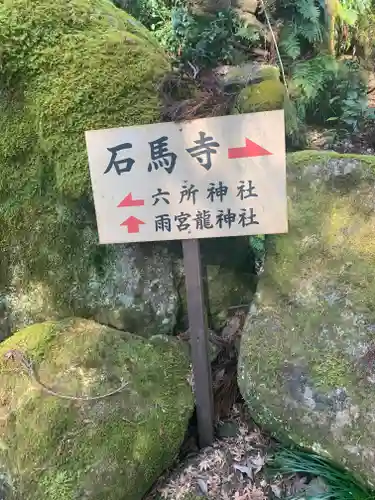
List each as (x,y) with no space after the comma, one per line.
(113,448)
(264,96)
(85,65)
(269,73)
(310,156)
(330,371)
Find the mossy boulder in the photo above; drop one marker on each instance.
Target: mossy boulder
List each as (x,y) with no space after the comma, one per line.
(267,95)
(112,448)
(307,362)
(66,67)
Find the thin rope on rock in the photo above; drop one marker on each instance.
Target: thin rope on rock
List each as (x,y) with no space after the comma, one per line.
(28,367)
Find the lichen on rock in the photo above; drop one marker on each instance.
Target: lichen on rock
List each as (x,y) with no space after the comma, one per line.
(68,67)
(112,448)
(307,359)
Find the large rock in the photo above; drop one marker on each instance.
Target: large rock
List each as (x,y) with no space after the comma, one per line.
(131,288)
(69,66)
(113,448)
(307,362)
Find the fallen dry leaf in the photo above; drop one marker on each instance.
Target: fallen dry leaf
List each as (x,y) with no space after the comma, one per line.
(276,490)
(203,486)
(245,469)
(257,463)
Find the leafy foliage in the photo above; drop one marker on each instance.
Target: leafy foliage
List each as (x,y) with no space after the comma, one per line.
(310,77)
(347,95)
(304,23)
(201,40)
(205,41)
(354,26)
(257,244)
(323,88)
(341,484)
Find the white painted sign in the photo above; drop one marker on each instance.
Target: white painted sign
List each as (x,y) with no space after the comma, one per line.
(211,177)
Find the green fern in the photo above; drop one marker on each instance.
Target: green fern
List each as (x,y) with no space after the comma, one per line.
(289,43)
(312,32)
(308,10)
(250,34)
(310,77)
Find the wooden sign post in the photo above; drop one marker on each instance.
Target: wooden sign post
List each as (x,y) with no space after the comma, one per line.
(210,177)
(199,342)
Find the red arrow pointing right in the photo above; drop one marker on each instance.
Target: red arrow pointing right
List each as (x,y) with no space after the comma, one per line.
(133,224)
(129,202)
(250,150)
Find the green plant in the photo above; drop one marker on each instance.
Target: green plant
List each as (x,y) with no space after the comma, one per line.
(329,91)
(257,244)
(303,27)
(155,15)
(348,97)
(329,24)
(152,13)
(340,483)
(322,89)
(201,40)
(350,25)
(218,39)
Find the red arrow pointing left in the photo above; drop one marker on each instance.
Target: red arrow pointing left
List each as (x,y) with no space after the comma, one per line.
(133,224)
(251,149)
(129,202)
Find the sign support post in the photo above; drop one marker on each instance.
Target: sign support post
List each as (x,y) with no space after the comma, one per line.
(199,341)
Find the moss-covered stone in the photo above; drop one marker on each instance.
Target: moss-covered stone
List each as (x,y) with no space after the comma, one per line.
(307,358)
(267,95)
(113,448)
(67,67)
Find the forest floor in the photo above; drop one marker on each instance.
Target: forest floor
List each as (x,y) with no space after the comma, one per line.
(232,468)
(235,467)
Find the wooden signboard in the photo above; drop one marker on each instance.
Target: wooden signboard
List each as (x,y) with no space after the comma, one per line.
(206,178)
(211,177)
